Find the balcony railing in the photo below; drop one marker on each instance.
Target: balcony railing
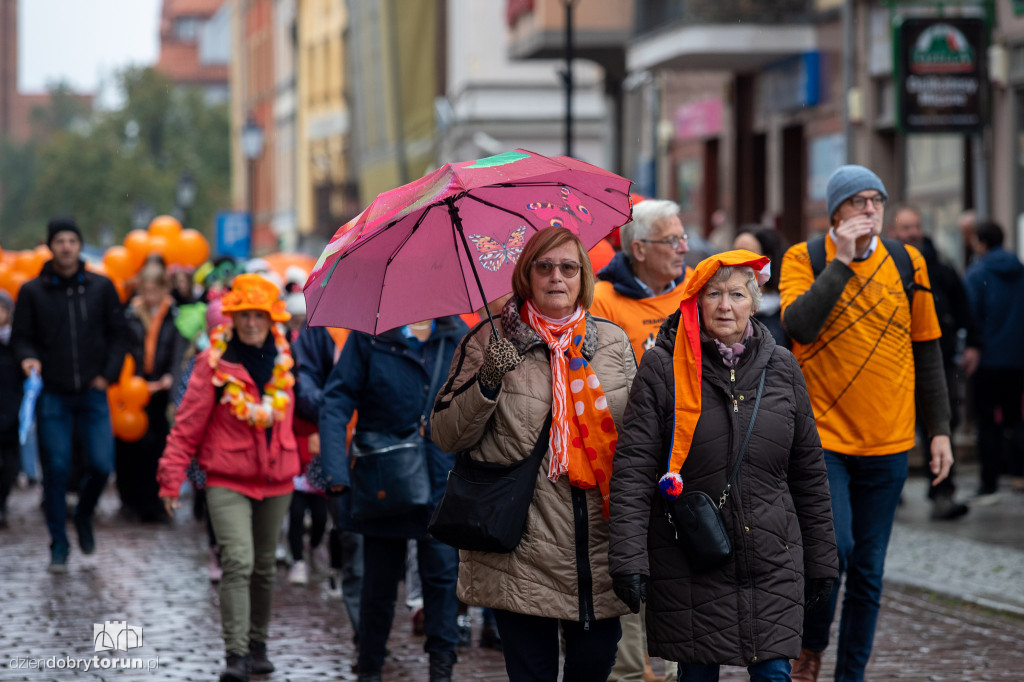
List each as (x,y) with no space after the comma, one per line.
(653,15)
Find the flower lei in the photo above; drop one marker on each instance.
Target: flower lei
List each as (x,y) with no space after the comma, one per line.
(274,402)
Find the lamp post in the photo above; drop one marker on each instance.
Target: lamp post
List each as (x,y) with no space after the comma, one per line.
(185,194)
(252,148)
(569,6)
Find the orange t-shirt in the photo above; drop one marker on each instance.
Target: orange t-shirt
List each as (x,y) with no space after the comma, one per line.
(640,318)
(860,369)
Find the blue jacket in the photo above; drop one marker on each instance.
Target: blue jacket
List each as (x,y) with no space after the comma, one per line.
(387,379)
(314,359)
(995,287)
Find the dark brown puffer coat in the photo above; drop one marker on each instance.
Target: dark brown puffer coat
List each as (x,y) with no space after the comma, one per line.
(778,514)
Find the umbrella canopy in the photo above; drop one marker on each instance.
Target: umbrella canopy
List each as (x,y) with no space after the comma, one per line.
(447,243)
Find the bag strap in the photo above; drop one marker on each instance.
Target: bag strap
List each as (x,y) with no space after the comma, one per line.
(746,441)
(816,252)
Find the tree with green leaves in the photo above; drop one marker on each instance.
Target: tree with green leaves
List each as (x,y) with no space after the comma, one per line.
(102,167)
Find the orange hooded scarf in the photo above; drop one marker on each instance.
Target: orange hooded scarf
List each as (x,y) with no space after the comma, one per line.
(686,359)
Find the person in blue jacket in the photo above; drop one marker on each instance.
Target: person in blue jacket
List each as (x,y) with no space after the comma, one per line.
(389,379)
(995,288)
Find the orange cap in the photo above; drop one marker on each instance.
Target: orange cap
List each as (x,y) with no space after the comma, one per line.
(253,292)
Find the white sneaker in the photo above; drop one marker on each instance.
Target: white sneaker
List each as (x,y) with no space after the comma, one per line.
(298,574)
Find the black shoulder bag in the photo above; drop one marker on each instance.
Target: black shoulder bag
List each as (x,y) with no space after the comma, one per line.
(485,504)
(700,530)
(389,474)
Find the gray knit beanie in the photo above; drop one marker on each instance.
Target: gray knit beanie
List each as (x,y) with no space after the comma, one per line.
(848,180)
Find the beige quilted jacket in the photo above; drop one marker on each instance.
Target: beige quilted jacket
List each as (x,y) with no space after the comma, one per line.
(560,569)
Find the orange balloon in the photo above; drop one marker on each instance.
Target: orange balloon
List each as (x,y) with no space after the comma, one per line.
(29,263)
(190,248)
(137,243)
(43,251)
(5,276)
(158,244)
(119,262)
(129,425)
(164,226)
(135,393)
(114,397)
(14,281)
(127,368)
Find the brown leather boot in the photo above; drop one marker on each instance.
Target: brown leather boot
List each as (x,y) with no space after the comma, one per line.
(805,668)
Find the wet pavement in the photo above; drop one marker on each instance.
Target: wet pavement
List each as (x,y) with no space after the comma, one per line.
(953,607)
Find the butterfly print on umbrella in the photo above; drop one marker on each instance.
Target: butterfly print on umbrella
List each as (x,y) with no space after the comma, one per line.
(493,254)
(567,215)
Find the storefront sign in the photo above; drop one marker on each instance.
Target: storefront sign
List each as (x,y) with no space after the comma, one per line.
(790,83)
(699,119)
(940,67)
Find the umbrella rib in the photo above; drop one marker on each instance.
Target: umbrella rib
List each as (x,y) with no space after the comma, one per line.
(501,208)
(391,257)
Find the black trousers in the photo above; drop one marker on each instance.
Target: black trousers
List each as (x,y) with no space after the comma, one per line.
(531,643)
(997,404)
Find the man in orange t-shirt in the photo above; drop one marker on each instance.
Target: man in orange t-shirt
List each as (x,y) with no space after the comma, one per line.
(643,283)
(638,290)
(866,353)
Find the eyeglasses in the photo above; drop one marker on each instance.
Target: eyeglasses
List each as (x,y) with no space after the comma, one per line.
(859,203)
(568,268)
(672,241)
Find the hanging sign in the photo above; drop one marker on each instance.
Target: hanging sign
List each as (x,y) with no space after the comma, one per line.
(940,74)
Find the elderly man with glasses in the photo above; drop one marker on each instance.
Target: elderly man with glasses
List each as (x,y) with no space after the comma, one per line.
(638,290)
(866,336)
(643,283)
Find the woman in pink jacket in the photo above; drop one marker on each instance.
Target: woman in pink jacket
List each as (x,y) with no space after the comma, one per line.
(235,423)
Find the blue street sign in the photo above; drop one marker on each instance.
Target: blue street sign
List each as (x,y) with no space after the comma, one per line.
(234,233)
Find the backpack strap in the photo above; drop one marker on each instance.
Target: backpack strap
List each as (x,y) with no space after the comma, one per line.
(816,251)
(897,251)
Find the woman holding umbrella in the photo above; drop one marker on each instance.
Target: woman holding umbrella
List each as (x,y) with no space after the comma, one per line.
(551,358)
(236,421)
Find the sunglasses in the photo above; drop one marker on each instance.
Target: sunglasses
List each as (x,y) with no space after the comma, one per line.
(568,268)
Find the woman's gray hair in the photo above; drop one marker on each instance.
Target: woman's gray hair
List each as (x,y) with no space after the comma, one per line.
(645,214)
(726,271)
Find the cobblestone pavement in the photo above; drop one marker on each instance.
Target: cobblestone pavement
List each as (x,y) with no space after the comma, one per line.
(154,577)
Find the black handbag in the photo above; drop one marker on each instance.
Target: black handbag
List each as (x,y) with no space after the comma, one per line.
(697,520)
(485,504)
(388,473)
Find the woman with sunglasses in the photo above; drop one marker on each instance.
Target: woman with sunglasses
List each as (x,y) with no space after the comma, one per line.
(551,359)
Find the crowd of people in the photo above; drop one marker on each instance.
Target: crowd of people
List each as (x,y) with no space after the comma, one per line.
(766,396)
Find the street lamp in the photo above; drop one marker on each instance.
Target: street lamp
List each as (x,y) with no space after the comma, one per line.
(186,194)
(252,148)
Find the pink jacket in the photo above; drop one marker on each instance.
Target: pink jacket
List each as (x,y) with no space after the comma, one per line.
(233,453)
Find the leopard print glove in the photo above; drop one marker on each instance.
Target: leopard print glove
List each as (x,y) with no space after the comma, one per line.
(500,358)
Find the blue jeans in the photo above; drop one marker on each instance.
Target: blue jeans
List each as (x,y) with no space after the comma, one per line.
(865,493)
(384,567)
(776,670)
(530,645)
(61,419)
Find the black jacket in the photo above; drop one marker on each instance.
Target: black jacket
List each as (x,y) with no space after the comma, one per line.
(951,304)
(11,380)
(73,326)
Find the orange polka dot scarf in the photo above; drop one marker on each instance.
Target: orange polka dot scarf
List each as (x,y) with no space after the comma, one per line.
(581,445)
(686,359)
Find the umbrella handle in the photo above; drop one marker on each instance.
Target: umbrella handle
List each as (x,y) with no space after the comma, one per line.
(453,211)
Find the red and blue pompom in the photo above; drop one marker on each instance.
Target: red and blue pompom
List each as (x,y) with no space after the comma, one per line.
(671,485)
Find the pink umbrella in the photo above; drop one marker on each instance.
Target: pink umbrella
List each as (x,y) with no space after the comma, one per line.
(416,252)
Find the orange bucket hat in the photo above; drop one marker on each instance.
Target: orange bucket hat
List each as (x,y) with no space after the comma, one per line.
(253,292)
(686,359)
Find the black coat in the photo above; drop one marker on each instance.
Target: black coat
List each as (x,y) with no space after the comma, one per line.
(778,515)
(386,378)
(11,381)
(74,326)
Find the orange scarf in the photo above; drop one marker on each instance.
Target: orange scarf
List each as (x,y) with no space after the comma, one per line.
(582,446)
(686,359)
(152,325)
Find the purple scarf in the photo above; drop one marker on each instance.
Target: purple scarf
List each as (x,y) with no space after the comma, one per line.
(731,354)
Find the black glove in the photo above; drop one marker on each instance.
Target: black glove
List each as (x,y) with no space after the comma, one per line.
(500,358)
(631,589)
(817,593)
